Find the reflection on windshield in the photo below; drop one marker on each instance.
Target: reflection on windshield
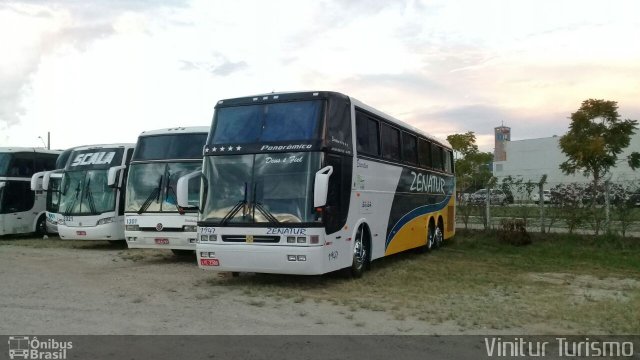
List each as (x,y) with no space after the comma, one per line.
(86,193)
(261,188)
(288,121)
(151,187)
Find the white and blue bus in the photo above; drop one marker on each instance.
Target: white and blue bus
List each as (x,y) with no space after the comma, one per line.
(21,209)
(153,218)
(313,182)
(92,192)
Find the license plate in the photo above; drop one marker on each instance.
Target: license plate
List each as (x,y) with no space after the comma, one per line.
(162,241)
(209,262)
(81,233)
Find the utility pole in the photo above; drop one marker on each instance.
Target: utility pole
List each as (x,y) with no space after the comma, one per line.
(48,140)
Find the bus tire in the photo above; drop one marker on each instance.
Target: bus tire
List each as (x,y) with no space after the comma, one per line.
(360,253)
(438,236)
(41,226)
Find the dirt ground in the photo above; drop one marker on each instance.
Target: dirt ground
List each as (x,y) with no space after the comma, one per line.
(61,288)
(106,290)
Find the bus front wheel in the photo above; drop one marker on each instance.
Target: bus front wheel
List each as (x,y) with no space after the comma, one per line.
(360,253)
(41,226)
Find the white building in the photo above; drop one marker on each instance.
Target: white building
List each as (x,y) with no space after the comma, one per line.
(530,159)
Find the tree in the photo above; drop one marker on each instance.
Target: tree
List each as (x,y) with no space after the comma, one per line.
(463,144)
(472,166)
(595,138)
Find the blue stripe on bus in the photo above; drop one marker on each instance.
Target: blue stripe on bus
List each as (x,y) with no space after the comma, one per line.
(422,210)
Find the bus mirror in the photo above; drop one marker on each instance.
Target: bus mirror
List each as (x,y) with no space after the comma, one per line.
(321,186)
(112,175)
(182,189)
(45,180)
(36,180)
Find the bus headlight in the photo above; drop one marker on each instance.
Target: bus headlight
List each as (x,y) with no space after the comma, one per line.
(132,227)
(190,228)
(207,238)
(106,221)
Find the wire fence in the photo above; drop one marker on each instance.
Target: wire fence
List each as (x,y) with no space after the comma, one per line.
(560,208)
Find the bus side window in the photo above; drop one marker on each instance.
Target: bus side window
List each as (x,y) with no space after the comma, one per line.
(409,148)
(367,135)
(22,166)
(390,143)
(424,153)
(18,197)
(447,161)
(436,152)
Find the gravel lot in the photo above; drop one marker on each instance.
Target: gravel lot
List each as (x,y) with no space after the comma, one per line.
(104,289)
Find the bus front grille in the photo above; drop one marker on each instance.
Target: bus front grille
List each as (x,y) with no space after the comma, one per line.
(251,238)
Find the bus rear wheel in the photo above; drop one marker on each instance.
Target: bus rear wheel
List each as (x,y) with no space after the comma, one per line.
(437,237)
(360,253)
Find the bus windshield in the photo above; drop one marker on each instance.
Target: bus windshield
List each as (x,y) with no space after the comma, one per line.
(85,192)
(275,122)
(170,146)
(261,188)
(151,186)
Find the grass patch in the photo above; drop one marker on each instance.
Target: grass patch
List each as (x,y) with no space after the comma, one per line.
(559,284)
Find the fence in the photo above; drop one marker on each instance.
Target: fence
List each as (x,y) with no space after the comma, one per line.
(568,208)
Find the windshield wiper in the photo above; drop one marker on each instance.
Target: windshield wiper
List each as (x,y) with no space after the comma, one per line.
(256,205)
(155,193)
(265,212)
(90,200)
(73,203)
(234,210)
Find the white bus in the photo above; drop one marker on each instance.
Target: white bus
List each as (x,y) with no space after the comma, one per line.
(49,182)
(152,217)
(312,182)
(21,209)
(92,193)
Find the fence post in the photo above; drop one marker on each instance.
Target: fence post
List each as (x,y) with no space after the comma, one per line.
(606,207)
(543,180)
(487,207)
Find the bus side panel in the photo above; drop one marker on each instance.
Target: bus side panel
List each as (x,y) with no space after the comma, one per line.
(421,195)
(449,217)
(375,185)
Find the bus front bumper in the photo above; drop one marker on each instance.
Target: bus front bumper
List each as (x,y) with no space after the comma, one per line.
(110,231)
(161,240)
(277,259)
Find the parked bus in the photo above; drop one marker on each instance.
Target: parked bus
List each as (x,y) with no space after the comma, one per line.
(49,182)
(22,210)
(153,218)
(92,193)
(285,190)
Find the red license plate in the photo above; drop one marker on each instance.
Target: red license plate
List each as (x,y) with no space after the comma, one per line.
(209,262)
(81,233)
(162,241)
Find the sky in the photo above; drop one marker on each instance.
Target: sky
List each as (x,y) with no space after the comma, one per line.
(95,72)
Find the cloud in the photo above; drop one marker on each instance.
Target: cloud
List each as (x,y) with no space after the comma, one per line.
(46,30)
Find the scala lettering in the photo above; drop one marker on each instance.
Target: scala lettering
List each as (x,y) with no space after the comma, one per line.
(427,183)
(98,158)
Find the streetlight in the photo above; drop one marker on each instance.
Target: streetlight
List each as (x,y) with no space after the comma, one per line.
(48,143)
